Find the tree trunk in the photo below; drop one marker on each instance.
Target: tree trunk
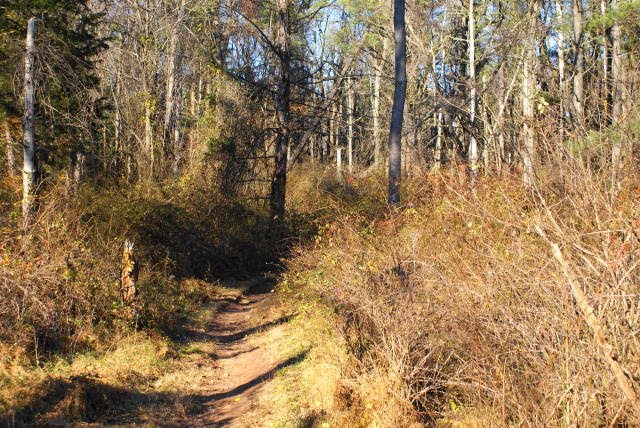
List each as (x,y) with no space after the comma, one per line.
(606,79)
(378,155)
(438,114)
(473,143)
(148,129)
(170,132)
(617,77)
(578,76)
(562,80)
(350,112)
(399,95)
(528,94)
(283,100)
(29,139)
(177,136)
(11,157)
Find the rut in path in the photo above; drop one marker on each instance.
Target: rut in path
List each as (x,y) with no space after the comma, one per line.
(243,367)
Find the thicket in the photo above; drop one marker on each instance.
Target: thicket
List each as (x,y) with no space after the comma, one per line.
(454,309)
(60,287)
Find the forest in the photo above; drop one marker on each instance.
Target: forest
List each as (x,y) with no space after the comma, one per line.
(319,213)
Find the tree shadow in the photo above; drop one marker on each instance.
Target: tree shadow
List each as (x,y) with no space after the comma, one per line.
(210,399)
(85,399)
(235,337)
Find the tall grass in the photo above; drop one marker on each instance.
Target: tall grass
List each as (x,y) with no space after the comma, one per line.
(453,309)
(59,290)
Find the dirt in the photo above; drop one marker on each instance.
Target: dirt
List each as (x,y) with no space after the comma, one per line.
(215,383)
(243,367)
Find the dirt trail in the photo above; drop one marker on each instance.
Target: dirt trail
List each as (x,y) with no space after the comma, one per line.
(242,367)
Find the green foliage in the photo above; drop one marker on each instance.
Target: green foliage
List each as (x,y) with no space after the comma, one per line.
(66,46)
(220,145)
(626,14)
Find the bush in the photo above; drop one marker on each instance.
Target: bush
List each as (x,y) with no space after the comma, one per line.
(457,307)
(60,287)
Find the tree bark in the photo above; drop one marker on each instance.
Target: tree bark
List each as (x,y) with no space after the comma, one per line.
(378,155)
(617,77)
(350,112)
(29,138)
(528,94)
(562,80)
(283,101)
(606,79)
(399,96)
(171,131)
(438,114)
(578,76)
(473,143)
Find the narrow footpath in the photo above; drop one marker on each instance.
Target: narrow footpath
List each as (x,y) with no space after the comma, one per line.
(242,367)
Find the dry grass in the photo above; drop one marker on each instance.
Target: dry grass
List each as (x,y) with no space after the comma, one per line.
(59,295)
(454,311)
(304,394)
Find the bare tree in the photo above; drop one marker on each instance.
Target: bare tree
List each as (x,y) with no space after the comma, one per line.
(528,95)
(473,143)
(617,77)
(399,96)
(578,76)
(29,139)
(283,104)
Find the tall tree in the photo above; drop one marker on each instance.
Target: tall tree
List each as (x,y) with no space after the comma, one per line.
(399,96)
(528,94)
(283,106)
(29,168)
(617,77)
(473,142)
(578,75)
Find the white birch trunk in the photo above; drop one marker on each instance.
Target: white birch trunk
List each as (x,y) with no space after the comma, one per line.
(578,76)
(473,143)
(350,108)
(29,139)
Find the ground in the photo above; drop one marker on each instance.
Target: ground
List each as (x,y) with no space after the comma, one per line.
(238,362)
(243,367)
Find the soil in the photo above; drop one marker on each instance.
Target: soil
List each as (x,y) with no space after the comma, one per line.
(242,367)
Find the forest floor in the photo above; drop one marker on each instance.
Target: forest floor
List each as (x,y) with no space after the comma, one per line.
(211,373)
(243,364)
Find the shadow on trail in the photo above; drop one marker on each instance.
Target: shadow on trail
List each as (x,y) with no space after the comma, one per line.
(215,356)
(235,337)
(87,400)
(209,399)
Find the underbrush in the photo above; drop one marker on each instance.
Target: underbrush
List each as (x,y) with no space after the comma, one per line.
(60,294)
(453,309)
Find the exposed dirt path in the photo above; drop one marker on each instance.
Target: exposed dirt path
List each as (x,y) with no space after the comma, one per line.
(242,367)
(211,375)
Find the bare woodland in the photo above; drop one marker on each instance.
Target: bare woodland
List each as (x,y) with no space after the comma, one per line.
(454,182)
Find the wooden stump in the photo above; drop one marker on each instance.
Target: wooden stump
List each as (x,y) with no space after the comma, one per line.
(128,281)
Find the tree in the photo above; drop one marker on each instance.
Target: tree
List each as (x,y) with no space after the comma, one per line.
(283,106)
(399,95)
(528,95)
(29,168)
(473,142)
(578,76)
(65,99)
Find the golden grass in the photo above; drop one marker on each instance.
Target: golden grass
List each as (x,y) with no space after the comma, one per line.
(453,310)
